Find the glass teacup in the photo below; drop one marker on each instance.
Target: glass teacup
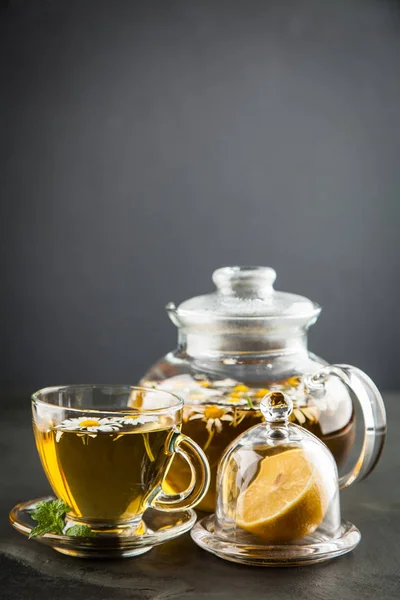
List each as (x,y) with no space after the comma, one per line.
(106,450)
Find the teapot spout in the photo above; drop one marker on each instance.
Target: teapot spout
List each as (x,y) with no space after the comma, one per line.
(173,313)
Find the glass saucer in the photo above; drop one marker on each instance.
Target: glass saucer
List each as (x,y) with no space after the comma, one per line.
(156,528)
(285,555)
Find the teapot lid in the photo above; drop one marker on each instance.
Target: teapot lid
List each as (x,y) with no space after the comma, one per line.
(245,293)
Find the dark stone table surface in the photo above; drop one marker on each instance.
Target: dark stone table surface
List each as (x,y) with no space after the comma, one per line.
(179,570)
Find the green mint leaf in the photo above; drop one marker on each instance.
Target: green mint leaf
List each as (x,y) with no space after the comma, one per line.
(39,530)
(49,511)
(80,531)
(49,517)
(56,527)
(41,512)
(59,508)
(249,402)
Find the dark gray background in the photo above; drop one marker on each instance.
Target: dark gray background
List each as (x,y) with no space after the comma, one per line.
(144,144)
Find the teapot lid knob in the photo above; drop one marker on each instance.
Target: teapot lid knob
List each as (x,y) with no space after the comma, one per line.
(276,407)
(245,282)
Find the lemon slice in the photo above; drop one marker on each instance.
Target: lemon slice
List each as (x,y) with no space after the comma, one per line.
(285,501)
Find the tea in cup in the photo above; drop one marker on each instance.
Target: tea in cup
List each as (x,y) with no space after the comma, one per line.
(106,451)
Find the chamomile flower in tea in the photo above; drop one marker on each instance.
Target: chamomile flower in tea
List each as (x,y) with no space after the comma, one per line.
(136,419)
(90,424)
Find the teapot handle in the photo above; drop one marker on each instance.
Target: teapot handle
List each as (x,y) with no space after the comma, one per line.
(373,409)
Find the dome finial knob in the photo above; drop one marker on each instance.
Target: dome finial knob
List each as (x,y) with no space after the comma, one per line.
(276,407)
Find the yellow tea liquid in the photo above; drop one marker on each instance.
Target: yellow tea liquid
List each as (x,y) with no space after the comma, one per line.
(104,475)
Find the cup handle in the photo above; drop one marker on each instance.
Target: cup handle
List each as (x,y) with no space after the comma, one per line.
(373,410)
(200,476)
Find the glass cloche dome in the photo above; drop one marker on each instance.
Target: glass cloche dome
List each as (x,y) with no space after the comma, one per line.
(277,496)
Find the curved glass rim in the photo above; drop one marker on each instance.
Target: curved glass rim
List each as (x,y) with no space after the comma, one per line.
(178,405)
(197,314)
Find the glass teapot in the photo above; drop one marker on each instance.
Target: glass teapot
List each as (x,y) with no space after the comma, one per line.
(277,496)
(243,341)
